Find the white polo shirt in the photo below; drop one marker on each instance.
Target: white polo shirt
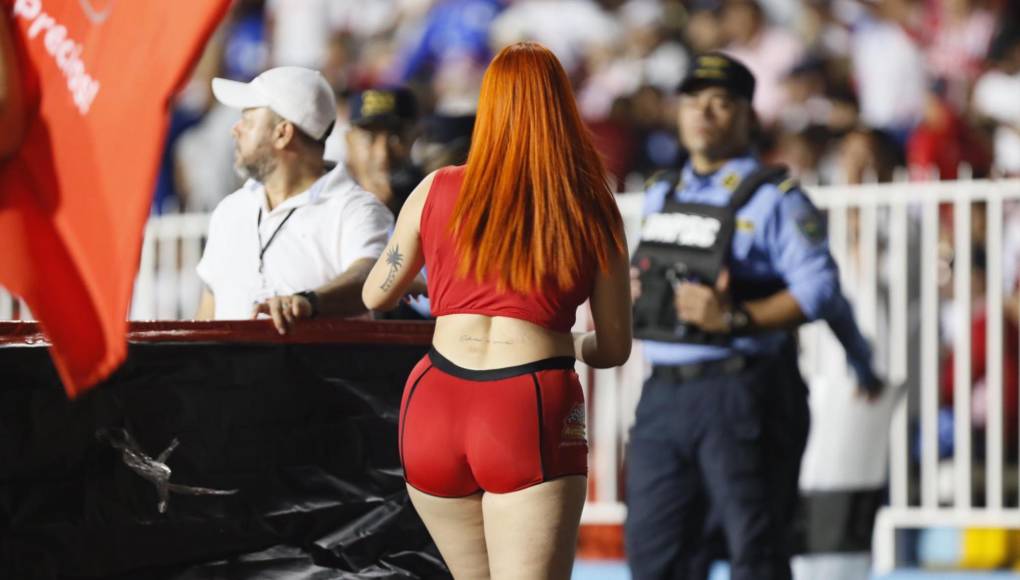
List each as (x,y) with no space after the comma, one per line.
(995,96)
(334,223)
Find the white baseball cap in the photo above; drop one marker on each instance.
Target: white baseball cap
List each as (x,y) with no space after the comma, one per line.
(299,95)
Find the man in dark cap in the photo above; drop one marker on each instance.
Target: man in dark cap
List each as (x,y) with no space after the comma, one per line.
(733,257)
(384,125)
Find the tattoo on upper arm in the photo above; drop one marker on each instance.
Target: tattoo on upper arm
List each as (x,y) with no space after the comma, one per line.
(395,260)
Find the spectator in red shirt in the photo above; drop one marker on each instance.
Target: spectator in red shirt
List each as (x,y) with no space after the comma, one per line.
(943,141)
(980,410)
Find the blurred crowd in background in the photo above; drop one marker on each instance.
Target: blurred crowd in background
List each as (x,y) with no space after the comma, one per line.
(848,90)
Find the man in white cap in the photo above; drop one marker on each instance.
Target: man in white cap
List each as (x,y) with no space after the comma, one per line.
(295,241)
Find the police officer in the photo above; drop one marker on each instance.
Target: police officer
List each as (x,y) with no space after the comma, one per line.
(384,126)
(723,421)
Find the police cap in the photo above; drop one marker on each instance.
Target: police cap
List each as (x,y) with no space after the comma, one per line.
(715,69)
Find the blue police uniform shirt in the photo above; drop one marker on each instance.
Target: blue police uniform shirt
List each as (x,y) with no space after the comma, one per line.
(779,234)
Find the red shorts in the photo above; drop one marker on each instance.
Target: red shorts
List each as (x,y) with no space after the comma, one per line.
(465,431)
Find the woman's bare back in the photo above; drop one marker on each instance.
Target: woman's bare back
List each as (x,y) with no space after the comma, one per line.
(476,341)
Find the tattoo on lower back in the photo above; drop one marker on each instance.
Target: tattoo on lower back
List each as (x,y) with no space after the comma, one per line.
(467,338)
(395,260)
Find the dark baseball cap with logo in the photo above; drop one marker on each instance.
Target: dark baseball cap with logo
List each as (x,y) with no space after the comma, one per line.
(715,69)
(383,108)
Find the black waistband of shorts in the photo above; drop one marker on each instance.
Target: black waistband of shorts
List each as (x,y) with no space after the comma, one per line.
(444,364)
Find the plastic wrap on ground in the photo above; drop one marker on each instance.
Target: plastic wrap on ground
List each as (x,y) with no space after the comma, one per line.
(286,465)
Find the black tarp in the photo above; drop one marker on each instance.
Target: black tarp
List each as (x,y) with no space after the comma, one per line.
(305,433)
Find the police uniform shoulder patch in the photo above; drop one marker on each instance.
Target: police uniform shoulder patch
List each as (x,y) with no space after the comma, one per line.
(731,181)
(745,225)
(812,226)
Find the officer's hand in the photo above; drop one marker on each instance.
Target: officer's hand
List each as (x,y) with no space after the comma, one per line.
(285,310)
(871,391)
(703,306)
(419,288)
(635,284)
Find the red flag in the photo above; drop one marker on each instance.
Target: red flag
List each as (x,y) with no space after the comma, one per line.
(98,75)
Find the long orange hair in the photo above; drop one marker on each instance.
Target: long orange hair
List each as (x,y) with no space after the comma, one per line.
(535,203)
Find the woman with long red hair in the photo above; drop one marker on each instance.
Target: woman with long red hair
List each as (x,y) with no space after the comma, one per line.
(492,422)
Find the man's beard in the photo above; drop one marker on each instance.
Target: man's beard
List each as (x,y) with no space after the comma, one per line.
(258,166)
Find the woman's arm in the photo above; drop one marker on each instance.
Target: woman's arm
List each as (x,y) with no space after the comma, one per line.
(12,105)
(395,271)
(609,344)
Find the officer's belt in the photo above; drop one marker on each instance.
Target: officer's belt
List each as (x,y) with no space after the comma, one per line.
(689,372)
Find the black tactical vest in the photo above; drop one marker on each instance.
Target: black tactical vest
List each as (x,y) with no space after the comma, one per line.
(691,241)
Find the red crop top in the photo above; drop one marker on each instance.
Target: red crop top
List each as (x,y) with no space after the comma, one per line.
(449,293)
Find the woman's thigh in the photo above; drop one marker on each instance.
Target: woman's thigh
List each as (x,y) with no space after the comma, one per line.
(455,525)
(531,534)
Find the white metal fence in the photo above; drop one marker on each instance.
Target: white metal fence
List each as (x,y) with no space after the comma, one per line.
(893,243)
(168,287)
(910,264)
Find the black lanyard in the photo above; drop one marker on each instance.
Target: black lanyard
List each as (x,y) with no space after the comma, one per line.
(258,231)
